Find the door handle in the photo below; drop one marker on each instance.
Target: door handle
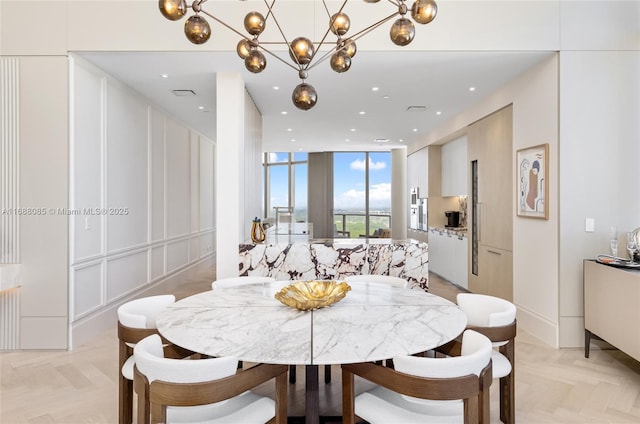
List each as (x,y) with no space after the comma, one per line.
(479,223)
(494,252)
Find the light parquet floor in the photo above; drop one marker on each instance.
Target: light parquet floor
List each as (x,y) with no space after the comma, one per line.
(552,386)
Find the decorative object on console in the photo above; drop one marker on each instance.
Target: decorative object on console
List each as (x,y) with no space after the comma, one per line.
(301,50)
(633,249)
(532,166)
(258,234)
(309,295)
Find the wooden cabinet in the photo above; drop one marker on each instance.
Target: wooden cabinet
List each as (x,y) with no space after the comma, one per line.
(491,189)
(496,267)
(611,299)
(454,168)
(495,180)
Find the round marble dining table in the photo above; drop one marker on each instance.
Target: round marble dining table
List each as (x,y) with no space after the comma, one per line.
(373,322)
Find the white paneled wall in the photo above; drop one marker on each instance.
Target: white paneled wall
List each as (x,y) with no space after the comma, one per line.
(126,168)
(9,148)
(142,184)
(250,177)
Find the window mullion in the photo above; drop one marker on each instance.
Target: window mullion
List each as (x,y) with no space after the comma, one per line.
(366,193)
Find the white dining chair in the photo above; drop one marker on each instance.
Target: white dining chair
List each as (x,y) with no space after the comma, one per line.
(496,318)
(423,389)
(238,281)
(204,390)
(136,320)
(376,278)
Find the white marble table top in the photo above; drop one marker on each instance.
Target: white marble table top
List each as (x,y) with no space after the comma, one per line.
(373,322)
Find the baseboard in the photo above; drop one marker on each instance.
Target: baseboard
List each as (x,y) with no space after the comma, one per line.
(537,326)
(87,328)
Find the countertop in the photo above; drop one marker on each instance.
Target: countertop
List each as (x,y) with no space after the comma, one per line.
(454,231)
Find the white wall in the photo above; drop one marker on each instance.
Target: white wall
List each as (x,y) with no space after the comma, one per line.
(239,170)
(150,177)
(600,158)
(597,65)
(535,250)
(584,102)
(252,169)
(43,178)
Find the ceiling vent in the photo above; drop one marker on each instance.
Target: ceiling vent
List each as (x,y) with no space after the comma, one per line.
(416,108)
(184,93)
(381,140)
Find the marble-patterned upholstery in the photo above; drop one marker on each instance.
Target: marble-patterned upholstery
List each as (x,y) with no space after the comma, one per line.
(337,259)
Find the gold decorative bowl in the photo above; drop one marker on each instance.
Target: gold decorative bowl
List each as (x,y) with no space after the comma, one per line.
(309,295)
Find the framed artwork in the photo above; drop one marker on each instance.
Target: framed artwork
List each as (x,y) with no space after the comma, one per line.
(533,184)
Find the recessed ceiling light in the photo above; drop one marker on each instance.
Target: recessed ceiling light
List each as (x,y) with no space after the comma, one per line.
(401,140)
(293,139)
(375,88)
(472,89)
(275,87)
(347,139)
(200,107)
(386,96)
(284,112)
(438,113)
(289,129)
(362,112)
(164,76)
(352,130)
(415,130)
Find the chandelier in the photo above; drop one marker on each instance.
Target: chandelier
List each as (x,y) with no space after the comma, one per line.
(302,51)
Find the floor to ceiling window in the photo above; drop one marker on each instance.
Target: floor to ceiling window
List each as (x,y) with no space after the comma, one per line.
(286,184)
(362,192)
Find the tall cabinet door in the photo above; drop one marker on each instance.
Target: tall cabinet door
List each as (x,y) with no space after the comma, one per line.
(491,215)
(495,181)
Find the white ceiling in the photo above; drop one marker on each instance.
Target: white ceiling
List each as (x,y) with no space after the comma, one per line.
(440,81)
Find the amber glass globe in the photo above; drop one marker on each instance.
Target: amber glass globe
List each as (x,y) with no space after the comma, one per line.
(349,47)
(197,29)
(340,61)
(255,62)
(424,11)
(304,96)
(341,23)
(402,32)
(301,50)
(254,23)
(172,9)
(243,48)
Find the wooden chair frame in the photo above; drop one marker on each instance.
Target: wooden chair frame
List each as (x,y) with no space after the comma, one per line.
(507,383)
(472,389)
(154,397)
(125,386)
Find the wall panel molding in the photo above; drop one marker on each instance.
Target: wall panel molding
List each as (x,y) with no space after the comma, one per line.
(139,157)
(9,160)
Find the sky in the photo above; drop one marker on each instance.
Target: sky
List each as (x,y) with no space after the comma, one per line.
(349,181)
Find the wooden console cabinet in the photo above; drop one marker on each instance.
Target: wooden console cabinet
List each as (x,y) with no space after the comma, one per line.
(612,307)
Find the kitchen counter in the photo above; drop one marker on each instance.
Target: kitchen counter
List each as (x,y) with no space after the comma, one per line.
(454,231)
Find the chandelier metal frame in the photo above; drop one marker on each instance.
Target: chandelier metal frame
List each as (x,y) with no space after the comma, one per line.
(302,51)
